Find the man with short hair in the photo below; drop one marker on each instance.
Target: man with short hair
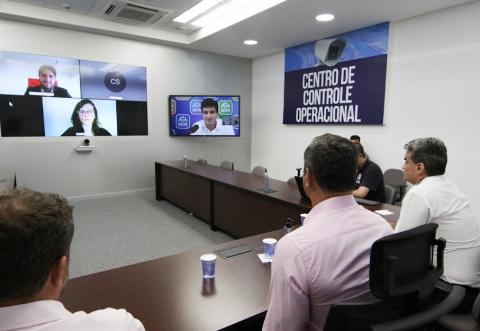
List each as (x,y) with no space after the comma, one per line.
(327,259)
(435,199)
(47,75)
(355,139)
(369,183)
(36,230)
(211,125)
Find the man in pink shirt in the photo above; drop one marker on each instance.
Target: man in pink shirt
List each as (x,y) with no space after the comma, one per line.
(36,230)
(326,260)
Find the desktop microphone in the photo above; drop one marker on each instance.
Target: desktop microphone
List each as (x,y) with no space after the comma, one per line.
(194,128)
(298,172)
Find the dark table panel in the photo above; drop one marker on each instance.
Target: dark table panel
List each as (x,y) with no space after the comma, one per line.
(241,213)
(285,192)
(190,192)
(170,294)
(238,204)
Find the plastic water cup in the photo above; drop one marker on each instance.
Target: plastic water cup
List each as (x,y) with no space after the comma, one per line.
(269,247)
(302,218)
(208,265)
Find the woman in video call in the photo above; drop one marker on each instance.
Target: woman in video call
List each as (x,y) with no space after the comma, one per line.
(85,121)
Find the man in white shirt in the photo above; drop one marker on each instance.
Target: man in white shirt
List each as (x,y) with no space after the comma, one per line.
(326,260)
(211,125)
(435,199)
(36,230)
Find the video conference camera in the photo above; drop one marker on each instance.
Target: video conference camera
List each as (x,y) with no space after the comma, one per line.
(329,51)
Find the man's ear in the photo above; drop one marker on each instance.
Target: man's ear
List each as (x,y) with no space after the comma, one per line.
(59,272)
(420,167)
(307,177)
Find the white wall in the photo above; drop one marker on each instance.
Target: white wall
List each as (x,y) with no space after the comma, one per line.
(126,163)
(432,90)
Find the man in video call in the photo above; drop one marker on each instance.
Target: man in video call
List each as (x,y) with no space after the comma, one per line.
(36,231)
(47,75)
(211,125)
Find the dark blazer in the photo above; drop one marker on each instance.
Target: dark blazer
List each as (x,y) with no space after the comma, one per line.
(58,92)
(72,131)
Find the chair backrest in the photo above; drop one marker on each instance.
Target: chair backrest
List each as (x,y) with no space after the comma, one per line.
(291,180)
(402,265)
(394,178)
(389,194)
(227,165)
(258,171)
(202,161)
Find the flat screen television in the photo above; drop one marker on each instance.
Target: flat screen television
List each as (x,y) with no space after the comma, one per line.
(204,115)
(53,96)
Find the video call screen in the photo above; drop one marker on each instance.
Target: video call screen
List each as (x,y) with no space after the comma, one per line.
(51,96)
(187,118)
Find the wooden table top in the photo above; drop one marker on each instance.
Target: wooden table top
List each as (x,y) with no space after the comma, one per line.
(169,293)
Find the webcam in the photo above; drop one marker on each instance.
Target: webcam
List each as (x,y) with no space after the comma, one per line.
(86,142)
(329,51)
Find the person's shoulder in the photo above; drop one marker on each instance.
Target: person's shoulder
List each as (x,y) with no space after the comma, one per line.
(70,132)
(109,318)
(61,92)
(32,89)
(103,132)
(227,130)
(374,167)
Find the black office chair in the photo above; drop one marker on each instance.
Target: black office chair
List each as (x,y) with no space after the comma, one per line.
(402,279)
(226,165)
(292,180)
(394,177)
(461,322)
(389,194)
(259,171)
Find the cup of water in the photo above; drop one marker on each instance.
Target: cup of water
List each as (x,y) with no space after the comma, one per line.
(208,265)
(269,247)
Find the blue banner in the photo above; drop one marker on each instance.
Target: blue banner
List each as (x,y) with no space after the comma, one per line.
(338,80)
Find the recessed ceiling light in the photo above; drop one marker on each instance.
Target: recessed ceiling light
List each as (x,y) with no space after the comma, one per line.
(324,17)
(250,42)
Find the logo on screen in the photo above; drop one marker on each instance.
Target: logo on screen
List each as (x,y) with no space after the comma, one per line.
(225,107)
(195,107)
(115,81)
(182,121)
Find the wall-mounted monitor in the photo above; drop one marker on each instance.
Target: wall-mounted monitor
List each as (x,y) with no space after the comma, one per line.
(204,115)
(52,96)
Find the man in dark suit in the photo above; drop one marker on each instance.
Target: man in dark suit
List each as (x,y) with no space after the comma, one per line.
(48,80)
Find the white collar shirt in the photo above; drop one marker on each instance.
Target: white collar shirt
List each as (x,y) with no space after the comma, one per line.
(50,315)
(438,200)
(220,129)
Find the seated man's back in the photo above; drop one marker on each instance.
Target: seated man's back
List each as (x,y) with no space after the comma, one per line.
(50,315)
(324,262)
(36,231)
(437,200)
(327,259)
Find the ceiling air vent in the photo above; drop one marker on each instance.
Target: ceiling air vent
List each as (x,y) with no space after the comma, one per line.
(134,12)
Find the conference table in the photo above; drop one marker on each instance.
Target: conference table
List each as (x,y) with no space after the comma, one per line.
(234,201)
(169,293)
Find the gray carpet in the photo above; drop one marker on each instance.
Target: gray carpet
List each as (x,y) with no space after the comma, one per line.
(118,231)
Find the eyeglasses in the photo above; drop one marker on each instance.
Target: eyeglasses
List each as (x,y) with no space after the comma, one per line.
(86,112)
